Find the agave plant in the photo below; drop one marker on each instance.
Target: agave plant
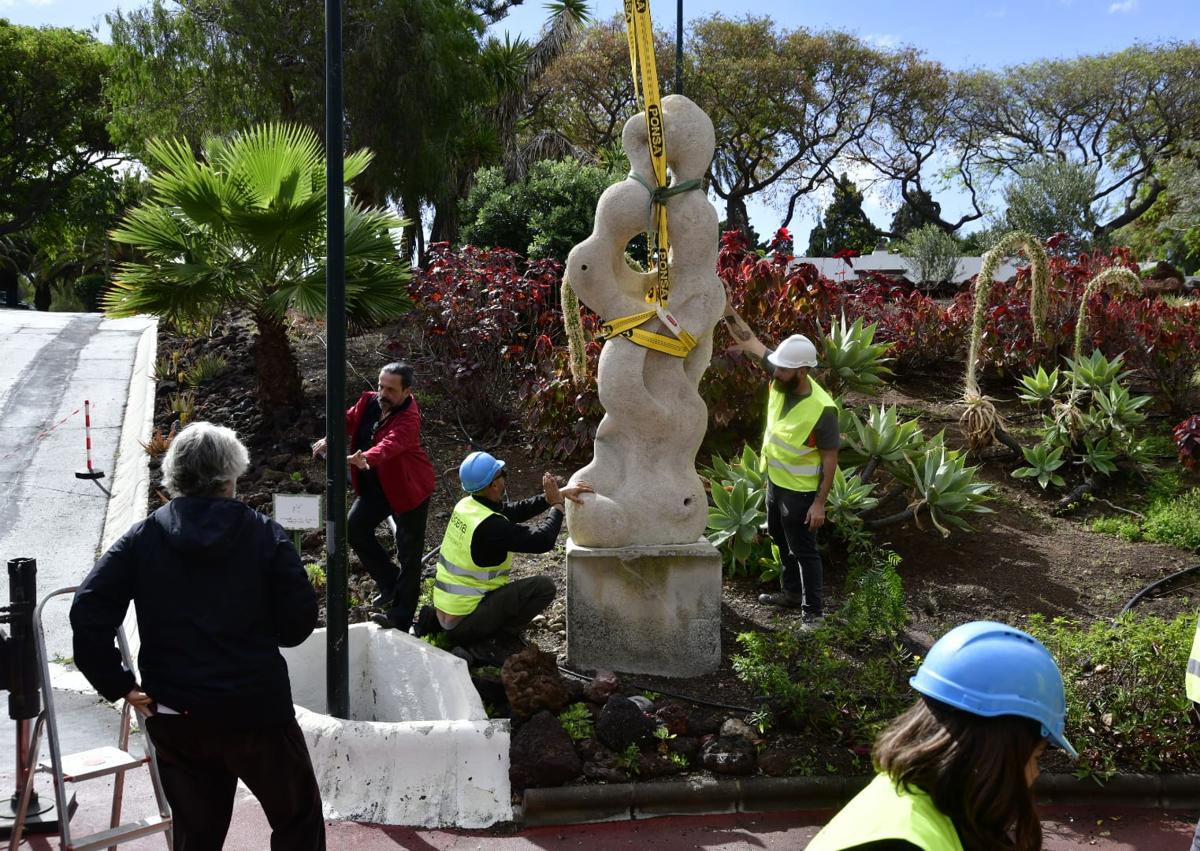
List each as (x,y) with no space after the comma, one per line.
(1115,278)
(1096,372)
(1040,387)
(848,497)
(736,517)
(946,489)
(979,419)
(1043,461)
(881,437)
(852,359)
(734,521)
(1116,410)
(1098,455)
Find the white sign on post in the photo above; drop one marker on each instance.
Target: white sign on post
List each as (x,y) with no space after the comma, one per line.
(298,512)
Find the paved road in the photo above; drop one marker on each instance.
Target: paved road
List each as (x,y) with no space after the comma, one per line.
(49,364)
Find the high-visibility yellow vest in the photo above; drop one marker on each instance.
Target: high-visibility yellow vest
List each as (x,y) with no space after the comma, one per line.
(1192,679)
(788,459)
(460,583)
(881,811)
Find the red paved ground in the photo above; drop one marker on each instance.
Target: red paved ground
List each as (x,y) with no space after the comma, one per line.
(1110,829)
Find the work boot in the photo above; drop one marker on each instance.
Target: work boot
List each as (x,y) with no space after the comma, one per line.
(782,599)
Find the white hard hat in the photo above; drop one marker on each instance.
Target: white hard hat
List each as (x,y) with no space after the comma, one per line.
(796,352)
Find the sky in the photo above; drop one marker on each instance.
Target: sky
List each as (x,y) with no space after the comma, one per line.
(960,34)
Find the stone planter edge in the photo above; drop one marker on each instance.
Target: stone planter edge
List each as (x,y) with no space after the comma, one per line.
(707,795)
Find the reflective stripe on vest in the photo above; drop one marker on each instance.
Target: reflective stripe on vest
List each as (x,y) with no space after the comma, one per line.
(460,583)
(1192,680)
(788,461)
(881,811)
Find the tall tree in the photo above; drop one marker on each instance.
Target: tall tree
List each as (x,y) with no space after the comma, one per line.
(915,213)
(52,122)
(1118,115)
(1053,196)
(844,226)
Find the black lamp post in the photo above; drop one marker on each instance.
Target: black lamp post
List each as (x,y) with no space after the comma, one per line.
(337,658)
(678,47)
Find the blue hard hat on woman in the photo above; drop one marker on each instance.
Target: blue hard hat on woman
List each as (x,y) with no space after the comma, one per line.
(478,470)
(989,669)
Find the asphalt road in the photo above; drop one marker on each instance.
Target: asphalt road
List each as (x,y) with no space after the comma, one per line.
(49,364)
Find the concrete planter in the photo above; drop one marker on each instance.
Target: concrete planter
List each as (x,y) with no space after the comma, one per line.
(418,750)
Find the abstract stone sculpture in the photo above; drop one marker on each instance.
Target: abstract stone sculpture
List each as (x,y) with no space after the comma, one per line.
(643,467)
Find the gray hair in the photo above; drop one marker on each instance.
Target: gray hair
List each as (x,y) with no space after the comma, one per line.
(203,459)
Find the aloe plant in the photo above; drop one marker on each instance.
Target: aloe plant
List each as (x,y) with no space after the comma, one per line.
(1043,460)
(1098,455)
(852,358)
(1116,410)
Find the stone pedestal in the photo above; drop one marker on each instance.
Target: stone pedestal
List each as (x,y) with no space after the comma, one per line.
(644,609)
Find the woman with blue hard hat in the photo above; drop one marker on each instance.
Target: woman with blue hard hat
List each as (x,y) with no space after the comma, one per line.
(956,770)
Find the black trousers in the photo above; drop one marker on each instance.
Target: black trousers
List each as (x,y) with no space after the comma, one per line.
(506,609)
(798,553)
(401,585)
(201,763)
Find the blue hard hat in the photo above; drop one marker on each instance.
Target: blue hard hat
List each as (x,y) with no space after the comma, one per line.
(990,669)
(478,470)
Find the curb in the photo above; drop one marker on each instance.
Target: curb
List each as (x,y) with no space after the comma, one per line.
(709,796)
(131,475)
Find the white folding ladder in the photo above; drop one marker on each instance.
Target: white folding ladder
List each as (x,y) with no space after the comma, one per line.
(88,765)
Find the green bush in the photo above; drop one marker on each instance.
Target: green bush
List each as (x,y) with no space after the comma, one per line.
(1126,707)
(933,254)
(545,215)
(808,680)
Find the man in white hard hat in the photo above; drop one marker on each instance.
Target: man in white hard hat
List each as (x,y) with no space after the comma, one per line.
(800,451)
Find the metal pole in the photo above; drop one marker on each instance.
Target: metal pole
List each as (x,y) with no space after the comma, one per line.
(337,659)
(679,47)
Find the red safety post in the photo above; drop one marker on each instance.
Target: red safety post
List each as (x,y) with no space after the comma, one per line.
(90,472)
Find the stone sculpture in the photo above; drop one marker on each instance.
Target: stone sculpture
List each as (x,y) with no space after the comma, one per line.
(643,467)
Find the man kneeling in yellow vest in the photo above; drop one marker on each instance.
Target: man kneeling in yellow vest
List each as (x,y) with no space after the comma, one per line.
(482,611)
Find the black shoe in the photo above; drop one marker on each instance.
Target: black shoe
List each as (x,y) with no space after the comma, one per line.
(427,622)
(381,600)
(782,599)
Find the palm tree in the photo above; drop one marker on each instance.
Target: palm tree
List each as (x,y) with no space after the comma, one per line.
(244,225)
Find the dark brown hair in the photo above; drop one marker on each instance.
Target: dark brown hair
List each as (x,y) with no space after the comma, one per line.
(972,767)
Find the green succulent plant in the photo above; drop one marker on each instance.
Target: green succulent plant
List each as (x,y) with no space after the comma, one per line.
(1040,387)
(1043,459)
(852,359)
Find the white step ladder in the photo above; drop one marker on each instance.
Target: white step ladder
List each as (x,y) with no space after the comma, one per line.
(89,765)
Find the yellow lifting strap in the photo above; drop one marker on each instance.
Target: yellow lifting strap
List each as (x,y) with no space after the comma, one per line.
(640,34)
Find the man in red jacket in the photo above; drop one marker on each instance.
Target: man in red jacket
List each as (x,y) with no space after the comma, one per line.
(392,477)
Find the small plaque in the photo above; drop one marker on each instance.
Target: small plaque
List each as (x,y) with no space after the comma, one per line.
(298,512)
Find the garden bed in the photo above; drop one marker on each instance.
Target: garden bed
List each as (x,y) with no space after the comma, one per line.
(1020,560)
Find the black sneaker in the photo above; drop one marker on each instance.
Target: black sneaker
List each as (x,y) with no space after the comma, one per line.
(381,601)
(783,599)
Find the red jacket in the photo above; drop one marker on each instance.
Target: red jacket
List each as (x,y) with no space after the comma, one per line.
(404,469)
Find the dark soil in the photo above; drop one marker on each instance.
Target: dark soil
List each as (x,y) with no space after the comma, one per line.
(1020,560)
